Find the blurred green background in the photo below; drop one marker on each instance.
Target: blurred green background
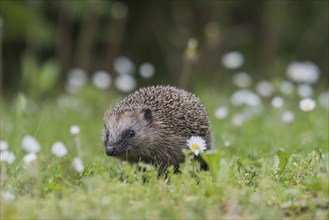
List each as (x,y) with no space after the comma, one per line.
(42,41)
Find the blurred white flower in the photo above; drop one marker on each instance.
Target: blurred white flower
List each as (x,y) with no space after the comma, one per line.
(76,79)
(246,97)
(123,65)
(277,102)
(58,149)
(3,145)
(252,111)
(7,156)
(232,60)
(197,144)
(324,99)
(264,88)
(307,104)
(30,144)
(238,120)
(119,10)
(101,79)
(287,87)
(303,72)
(125,83)
(7,196)
(78,165)
(242,80)
(288,117)
(70,102)
(304,91)
(221,112)
(75,129)
(227,143)
(146,70)
(28,158)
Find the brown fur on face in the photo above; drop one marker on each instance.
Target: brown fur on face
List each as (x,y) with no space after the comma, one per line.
(153,125)
(128,146)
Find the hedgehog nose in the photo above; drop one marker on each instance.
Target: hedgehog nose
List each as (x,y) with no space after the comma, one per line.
(110,151)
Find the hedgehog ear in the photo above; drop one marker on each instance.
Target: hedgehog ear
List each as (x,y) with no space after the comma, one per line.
(147,114)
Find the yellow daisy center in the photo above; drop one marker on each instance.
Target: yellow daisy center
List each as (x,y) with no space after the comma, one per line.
(307,106)
(195,146)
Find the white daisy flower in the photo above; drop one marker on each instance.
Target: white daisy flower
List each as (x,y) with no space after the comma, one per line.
(277,102)
(77,78)
(59,149)
(28,158)
(221,112)
(101,79)
(307,105)
(242,80)
(30,144)
(3,145)
(75,129)
(304,91)
(124,65)
(288,117)
(7,156)
(238,120)
(233,60)
(197,144)
(287,87)
(265,88)
(78,165)
(125,83)
(227,143)
(146,70)
(245,97)
(303,72)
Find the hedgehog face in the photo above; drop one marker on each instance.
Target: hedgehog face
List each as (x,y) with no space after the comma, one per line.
(127,133)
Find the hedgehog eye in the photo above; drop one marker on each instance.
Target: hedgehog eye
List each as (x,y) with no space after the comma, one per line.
(131,133)
(106,140)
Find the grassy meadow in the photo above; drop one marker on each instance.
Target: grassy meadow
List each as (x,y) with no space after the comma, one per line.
(263,167)
(260,68)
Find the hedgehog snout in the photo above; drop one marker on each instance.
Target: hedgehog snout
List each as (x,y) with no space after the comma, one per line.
(110,150)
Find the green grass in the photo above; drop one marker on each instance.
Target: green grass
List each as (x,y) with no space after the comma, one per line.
(244,184)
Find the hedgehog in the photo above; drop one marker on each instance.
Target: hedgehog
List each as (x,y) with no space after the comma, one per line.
(153,124)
